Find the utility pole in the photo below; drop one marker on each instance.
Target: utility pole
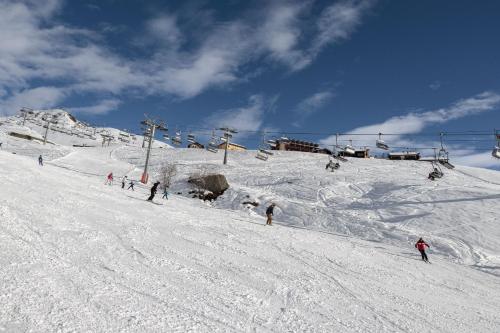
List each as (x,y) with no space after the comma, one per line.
(24,111)
(49,120)
(152,127)
(228,133)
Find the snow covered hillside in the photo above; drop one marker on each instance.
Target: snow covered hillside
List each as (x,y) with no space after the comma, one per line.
(81,256)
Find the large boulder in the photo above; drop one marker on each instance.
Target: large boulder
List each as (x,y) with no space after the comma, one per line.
(216,184)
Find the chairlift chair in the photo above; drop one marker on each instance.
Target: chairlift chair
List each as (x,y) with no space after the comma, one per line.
(190,138)
(176,140)
(212,147)
(496,152)
(212,144)
(262,156)
(436,172)
(380,143)
(349,149)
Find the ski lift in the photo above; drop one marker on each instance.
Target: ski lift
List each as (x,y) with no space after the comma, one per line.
(177,139)
(264,150)
(349,149)
(212,145)
(496,151)
(190,138)
(380,143)
(443,156)
(335,154)
(262,156)
(166,137)
(272,143)
(436,172)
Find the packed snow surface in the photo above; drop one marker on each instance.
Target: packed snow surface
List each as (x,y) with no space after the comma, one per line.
(78,255)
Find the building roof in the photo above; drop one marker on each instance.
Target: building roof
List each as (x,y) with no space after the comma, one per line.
(232,144)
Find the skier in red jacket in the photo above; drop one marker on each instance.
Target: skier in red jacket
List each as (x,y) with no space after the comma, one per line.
(420,245)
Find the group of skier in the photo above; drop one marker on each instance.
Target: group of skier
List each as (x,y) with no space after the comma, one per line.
(131,183)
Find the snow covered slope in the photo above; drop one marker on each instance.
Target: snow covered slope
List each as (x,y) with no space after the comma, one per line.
(379,200)
(81,256)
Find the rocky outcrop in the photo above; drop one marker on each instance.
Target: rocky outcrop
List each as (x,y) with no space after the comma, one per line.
(211,185)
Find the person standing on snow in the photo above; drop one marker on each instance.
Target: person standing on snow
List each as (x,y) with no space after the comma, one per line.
(131,185)
(124,179)
(153,191)
(420,245)
(109,179)
(40,160)
(269,214)
(165,193)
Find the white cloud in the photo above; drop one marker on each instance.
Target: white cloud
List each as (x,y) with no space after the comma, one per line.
(414,123)
(314,102)
(36,47)
(338,22)
(311,105)
(36,98)
(103,107)
(481,160)
(246,118)
(164,29)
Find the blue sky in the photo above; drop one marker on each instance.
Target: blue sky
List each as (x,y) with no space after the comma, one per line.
(319,67)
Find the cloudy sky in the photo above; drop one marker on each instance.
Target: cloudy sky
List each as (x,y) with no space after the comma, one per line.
(412,68)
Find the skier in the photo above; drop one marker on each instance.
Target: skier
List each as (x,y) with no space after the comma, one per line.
(40,160)
(269,213)
(124,179)
(165,193)
(109,180)
(329,165)
(153,191)
(420,245)
(131,185)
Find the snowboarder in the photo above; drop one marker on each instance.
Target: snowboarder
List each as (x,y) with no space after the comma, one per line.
(1,145)
(329,165)
(124,179)
(165,193)
(269,213)
(40,160)
(109,179)
(153,191)
(131,185)
(420,245)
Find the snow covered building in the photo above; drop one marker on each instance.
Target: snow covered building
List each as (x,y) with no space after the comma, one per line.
(232,146)
(196,145)
(405,155)
(360,153)
(296,145)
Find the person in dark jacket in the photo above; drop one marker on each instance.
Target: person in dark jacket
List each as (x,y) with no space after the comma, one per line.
(40,160)
(269,214)
(124,180)
(131,185)
(153,191)
(420,245)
